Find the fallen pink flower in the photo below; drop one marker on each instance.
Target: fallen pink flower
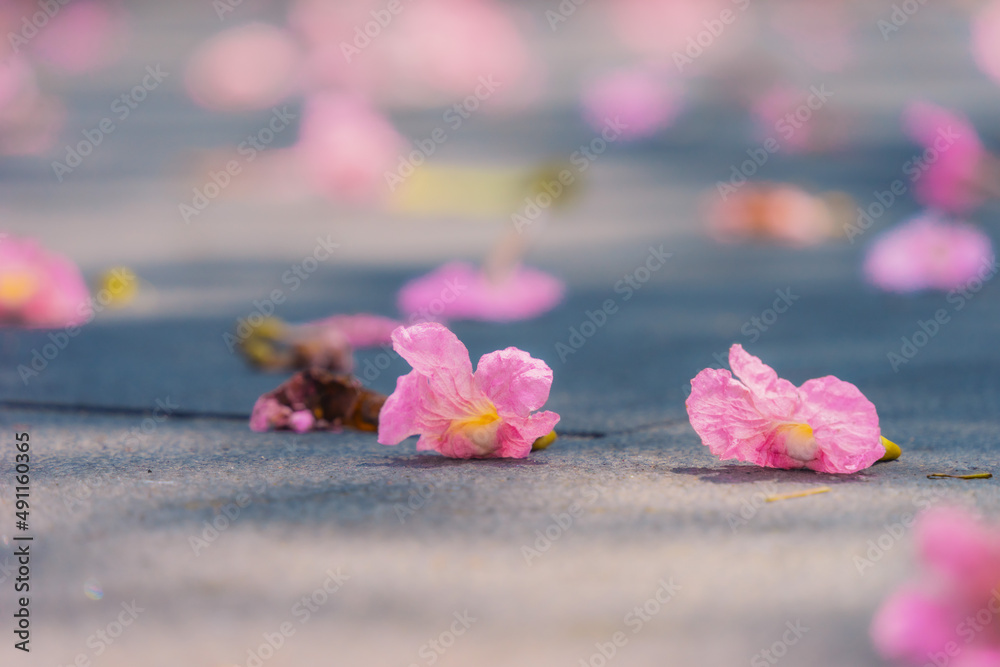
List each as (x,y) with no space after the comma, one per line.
(317,400)
(928,252)
(460,291)
(461,414)
(951,175)
(826,425)
(949,614)
(38,288)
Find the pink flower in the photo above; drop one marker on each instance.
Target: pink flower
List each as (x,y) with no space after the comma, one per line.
(952,181)
(486,414)
(638,98)
(346,147)
(825,425)
(951,610)
(929,253)
(458,291)
(250,67)
(38,288)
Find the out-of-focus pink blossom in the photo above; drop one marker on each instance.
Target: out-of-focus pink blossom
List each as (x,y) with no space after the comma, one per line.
(783,213)
(82,37)
(461,414)
(39,289)
(346,147)
(951,172)
(986,39)
(825,425)
(453,46)
(250,67)
(460,291)
(637,98)
(928,252)
(951,610)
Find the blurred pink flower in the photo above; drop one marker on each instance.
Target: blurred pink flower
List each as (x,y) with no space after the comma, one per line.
(949,614)
(783,213)
(346,147)
(39,289)
(82,36)
(253,66)
(451,46)
(460,291)
(928,252)
(461,414)
(986,39)
(950,171)
(826,425)
(636,97)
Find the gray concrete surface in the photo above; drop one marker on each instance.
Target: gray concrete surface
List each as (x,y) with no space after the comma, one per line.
(626,501)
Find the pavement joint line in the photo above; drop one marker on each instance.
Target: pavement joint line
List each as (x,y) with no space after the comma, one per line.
(130,411)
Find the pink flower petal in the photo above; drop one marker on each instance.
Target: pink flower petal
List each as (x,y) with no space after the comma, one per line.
(402,414)
(771,394)
(516,382)
(910,625)
(301,421)
(844,423)
(723,414)
(518,434)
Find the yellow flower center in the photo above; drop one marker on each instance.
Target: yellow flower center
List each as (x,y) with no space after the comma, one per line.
(17,287)
(480,428)
(800,444)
